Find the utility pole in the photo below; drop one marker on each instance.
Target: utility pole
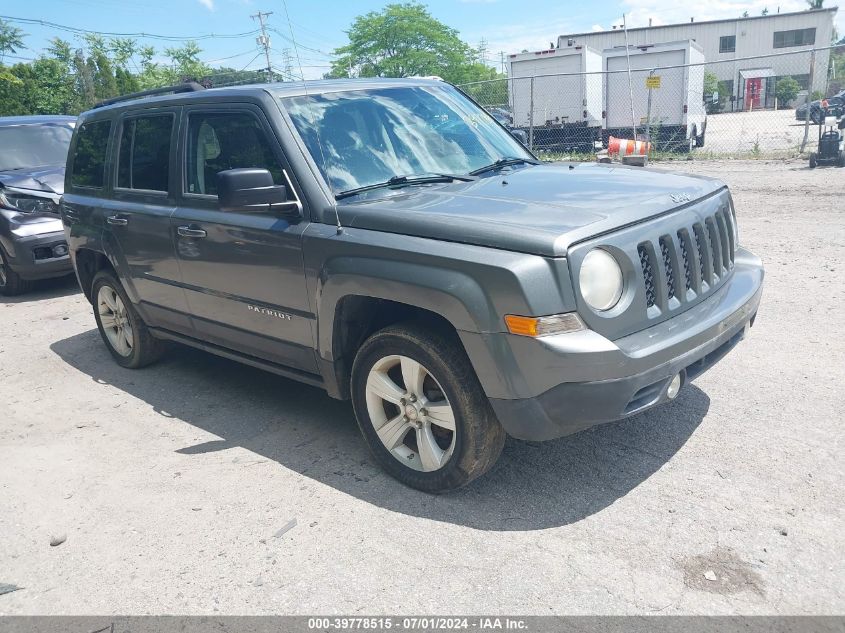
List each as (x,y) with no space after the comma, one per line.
(502,59)
(264,40)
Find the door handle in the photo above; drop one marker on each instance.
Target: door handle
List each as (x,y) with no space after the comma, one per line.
(189,231)
(116,220)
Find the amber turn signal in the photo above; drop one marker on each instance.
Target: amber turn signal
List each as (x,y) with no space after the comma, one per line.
(543,326)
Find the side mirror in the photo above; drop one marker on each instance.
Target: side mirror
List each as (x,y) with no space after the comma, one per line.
(251,190)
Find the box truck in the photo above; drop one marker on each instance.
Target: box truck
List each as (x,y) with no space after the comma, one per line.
(554,99)
(668,94)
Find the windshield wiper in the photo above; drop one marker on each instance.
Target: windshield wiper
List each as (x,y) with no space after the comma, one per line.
(503,162)
(403,181)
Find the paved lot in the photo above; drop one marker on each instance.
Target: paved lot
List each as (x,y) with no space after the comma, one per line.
(771,132)
(172,482)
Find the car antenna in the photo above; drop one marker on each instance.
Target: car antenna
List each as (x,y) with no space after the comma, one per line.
(316,127)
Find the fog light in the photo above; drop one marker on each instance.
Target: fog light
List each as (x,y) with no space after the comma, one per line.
(674,387)
(60,250)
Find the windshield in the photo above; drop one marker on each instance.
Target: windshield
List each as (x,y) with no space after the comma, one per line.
(34,145)
(369,136)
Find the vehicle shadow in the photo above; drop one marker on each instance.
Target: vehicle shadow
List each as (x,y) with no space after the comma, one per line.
(46,289)
(534,485)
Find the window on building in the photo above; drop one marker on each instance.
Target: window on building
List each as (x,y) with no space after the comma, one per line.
(798,37)
(225,141)
(89,159)
(144,160)
(727,44)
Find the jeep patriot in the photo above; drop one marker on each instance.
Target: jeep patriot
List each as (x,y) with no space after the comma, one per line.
(390,242)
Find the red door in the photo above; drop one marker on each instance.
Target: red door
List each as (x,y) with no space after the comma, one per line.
(753,92)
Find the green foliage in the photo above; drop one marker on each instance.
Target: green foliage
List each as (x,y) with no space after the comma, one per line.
(11,39)
(68,80)
(786,89)
(713,85)
(404,40)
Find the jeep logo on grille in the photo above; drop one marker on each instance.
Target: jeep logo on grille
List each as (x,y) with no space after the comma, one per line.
(678,198)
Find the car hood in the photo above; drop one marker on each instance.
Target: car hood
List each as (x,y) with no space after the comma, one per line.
(543,209)
(47,178)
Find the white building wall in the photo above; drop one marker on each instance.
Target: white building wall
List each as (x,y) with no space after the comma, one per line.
(754,36)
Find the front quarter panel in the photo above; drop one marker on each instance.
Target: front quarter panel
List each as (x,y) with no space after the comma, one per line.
(470,286)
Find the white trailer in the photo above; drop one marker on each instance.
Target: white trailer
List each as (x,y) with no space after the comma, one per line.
(677,116)
(552,97)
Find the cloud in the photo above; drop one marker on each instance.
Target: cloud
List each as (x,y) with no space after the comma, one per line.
(513,38)
(208,4)
(660,12)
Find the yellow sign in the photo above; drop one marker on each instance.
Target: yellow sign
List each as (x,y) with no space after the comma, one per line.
(653,81)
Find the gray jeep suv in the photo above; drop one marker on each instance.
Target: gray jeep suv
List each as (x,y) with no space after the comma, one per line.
(392,243)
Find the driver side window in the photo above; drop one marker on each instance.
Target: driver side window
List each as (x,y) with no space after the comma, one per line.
(221,141)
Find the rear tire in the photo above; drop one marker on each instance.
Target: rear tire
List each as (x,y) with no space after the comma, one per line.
(422,410)
(11,283)
(121,327)
(842,159)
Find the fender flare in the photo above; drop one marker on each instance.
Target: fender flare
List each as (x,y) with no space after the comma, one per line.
(454,295)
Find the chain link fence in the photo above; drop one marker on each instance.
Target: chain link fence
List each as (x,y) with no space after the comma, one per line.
(749,107)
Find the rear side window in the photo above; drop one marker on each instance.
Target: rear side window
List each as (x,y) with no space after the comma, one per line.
(89,159)
(144,158)
(217,142)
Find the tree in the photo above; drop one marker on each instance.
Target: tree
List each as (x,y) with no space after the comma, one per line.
(404,40)
(11,39)
(786,90)
(815,4)
(186,63)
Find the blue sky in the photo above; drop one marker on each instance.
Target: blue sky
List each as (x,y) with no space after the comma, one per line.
(319,25)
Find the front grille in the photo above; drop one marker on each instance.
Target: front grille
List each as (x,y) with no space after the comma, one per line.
(648,276)
(705,249)
(683,240)
(667,264)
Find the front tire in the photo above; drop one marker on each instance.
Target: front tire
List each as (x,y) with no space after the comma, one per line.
(11,283)
(422,410)
(813,160)
(121,327)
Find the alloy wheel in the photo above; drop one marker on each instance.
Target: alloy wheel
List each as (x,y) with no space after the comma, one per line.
(115,320)
(410,413)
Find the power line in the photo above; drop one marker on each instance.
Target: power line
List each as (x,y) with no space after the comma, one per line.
(173,38)
(297,45)
(250,62)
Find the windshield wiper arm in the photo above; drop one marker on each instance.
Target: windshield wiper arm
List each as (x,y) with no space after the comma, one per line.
(401,181)
(503,162)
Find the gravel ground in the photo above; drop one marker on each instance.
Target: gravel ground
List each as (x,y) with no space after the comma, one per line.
(172,484)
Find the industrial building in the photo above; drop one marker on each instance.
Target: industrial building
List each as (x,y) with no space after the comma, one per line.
(751,83)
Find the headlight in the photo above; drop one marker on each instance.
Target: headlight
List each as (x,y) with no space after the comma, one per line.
(600,280)
(26,203)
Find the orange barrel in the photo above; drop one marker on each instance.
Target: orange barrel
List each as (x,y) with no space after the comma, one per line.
(627,147)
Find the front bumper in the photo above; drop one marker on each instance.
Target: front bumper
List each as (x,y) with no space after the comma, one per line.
(582,379)
(34,257)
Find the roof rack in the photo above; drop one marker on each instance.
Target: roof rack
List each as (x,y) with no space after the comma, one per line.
(190,86)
